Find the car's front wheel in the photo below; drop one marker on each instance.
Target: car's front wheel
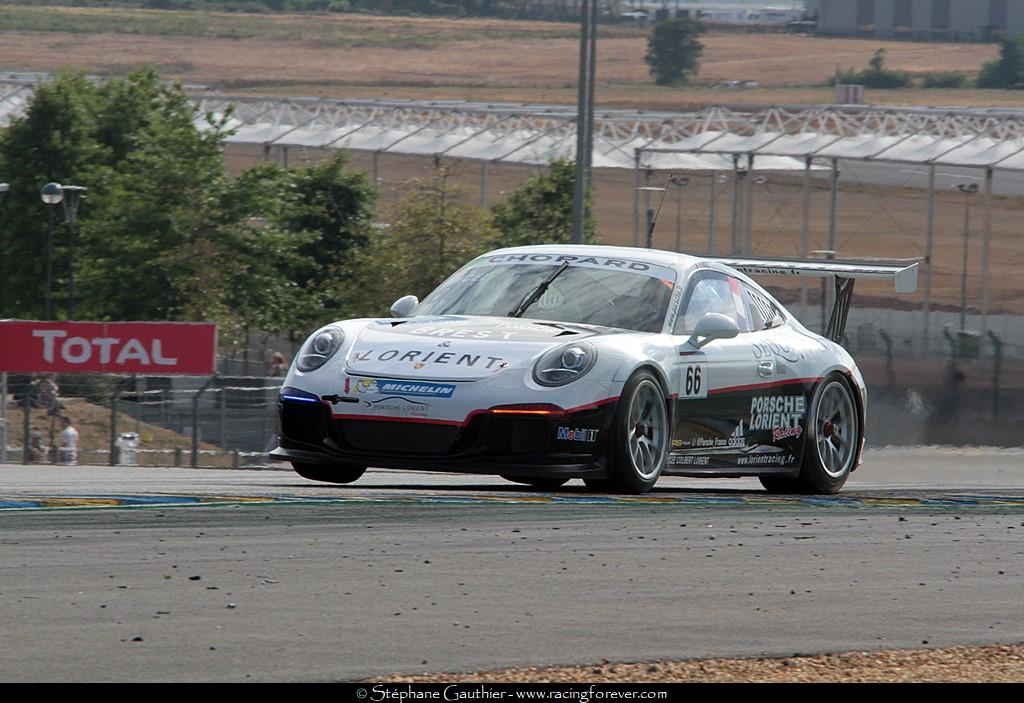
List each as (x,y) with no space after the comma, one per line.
(334,473)
(640,435)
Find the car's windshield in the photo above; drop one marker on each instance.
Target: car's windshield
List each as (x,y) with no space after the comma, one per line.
(595,291)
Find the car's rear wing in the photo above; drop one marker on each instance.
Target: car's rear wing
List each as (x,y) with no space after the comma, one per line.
(903,274)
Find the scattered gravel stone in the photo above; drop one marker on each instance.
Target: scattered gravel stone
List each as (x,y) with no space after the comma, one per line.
(985,664)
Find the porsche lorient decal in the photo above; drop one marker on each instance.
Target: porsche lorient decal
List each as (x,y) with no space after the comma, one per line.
(777,411)
(401,407)
(760,425)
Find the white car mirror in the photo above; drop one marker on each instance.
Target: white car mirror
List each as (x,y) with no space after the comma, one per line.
(713,326)
(404,306)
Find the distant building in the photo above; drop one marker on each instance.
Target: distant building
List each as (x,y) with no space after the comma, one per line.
(920,20)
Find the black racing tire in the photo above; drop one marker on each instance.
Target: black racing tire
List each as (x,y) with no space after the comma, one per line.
(640,435)
(541,484)
(329,473)
(833,437)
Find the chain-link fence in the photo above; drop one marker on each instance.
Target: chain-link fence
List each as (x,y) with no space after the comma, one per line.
(967,391)
(138,420)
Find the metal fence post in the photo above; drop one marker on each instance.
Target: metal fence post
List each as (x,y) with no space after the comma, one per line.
(997,347)
(195,419)
(113,453)
(26,442)
(3,417)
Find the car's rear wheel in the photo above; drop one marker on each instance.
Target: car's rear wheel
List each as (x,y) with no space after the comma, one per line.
(640,435)
(833,437)
(541,484)
(332,473)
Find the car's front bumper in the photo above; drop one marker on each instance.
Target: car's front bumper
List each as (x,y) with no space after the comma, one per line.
(524,442)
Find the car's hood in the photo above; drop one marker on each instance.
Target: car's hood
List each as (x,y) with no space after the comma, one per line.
(453,347)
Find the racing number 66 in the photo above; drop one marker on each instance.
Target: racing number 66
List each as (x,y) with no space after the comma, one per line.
(695,379)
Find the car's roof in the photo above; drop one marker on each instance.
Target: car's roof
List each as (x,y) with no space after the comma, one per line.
(650,256)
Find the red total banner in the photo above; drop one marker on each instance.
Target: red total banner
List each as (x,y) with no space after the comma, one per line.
(151,348)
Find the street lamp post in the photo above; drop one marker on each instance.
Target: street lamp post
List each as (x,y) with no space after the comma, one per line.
(51,195)
(968,189)
(73,196)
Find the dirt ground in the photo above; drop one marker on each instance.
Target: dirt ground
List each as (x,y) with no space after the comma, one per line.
(358,55)
(93,424)
(990,664)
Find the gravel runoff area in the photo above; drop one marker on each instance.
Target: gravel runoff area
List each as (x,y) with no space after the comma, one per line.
(979,664)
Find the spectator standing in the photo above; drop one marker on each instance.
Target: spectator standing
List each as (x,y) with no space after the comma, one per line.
(277,367)
(68,442)
(36,448)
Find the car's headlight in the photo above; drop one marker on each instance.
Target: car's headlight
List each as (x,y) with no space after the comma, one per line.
(319,348)
(564,364)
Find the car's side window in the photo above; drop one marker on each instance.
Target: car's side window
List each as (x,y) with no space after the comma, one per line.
(711,291)
(764,314)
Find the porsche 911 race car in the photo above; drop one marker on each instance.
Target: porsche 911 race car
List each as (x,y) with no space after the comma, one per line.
(609,364)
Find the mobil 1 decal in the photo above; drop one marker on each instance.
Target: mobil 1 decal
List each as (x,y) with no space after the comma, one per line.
(752,426)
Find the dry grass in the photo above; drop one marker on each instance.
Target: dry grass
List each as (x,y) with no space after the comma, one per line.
(93,424)
(340,55)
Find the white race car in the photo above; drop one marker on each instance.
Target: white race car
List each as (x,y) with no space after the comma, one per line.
(613,365)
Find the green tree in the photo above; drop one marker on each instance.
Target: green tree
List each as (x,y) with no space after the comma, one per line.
(674,50)
(164,234)
(1008,70)
(540,210)
(314,219)
(431,234)
(53,141)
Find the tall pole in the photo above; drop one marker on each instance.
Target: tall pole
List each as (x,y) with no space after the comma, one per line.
(49,263)
(589,150)
(828,294)
(713,213)
(963,273)
(636,197)
(805,232)
(928,254)
(582,120)
(679,218)
(986,237)
(748,209)
(736,186)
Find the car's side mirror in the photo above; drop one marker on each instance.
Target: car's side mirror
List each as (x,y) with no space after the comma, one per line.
(713,326)
(404,306)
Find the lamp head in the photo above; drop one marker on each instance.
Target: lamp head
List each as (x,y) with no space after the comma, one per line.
(52,193)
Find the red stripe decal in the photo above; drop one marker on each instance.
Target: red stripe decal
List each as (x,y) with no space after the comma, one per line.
(762,386)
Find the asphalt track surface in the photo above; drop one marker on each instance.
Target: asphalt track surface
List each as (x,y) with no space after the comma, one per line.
(143,574)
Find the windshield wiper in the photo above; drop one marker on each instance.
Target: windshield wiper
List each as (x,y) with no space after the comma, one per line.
(534,295)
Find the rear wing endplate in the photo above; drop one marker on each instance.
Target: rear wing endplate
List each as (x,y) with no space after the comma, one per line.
(903,275)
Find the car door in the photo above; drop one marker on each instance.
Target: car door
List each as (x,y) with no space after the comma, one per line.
(711,383)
